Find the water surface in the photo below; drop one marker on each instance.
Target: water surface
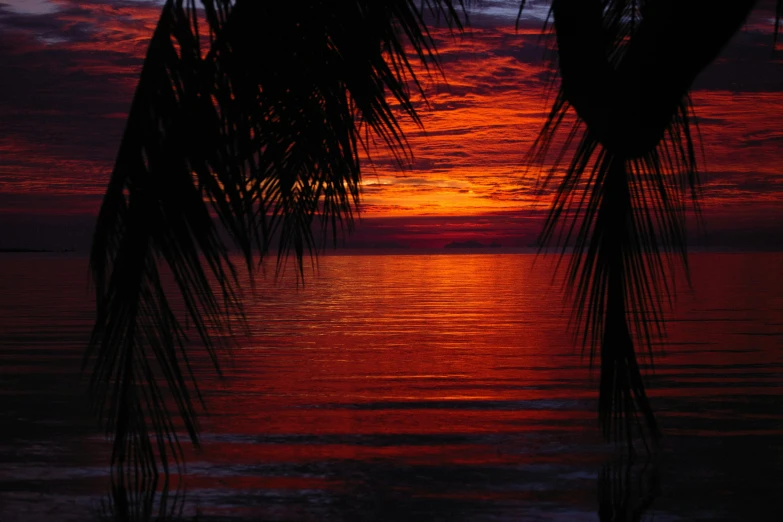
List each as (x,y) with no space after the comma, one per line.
(416,387)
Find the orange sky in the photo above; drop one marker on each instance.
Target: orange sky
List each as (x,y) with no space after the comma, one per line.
(73,67)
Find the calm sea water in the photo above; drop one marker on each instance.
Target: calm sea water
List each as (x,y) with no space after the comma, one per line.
(416,387)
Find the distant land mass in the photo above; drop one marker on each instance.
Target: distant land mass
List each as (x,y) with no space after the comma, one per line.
(471,244)
(32,250)
(374,245)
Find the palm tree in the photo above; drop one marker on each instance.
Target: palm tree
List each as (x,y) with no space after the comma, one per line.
(247,124)
(246,128)
(626,68)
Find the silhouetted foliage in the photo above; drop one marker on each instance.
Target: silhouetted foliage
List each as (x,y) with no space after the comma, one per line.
(252,113)
(626,67)
(249,118)
(627,489)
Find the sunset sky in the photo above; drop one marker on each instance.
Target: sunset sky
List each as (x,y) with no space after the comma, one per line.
(68,69)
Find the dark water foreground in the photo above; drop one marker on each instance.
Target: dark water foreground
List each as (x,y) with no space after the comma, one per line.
(415,387)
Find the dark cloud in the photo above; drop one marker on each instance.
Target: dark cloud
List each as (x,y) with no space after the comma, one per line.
(66,81)
(747,64)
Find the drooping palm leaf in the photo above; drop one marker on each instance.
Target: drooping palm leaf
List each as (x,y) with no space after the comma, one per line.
(246,124)
(626,68)
(627,489)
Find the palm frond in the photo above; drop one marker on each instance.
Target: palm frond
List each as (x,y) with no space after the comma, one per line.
(627,489)
(143,501)
(155,211)
(246,125)
(626,68)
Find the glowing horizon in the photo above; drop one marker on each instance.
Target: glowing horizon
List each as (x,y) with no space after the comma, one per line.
(75,67)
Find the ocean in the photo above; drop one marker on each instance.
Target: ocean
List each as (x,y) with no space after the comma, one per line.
(439,386)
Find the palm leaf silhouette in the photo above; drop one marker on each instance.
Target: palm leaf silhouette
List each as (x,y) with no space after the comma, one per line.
(626,68)
(245,130)
(627,489)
